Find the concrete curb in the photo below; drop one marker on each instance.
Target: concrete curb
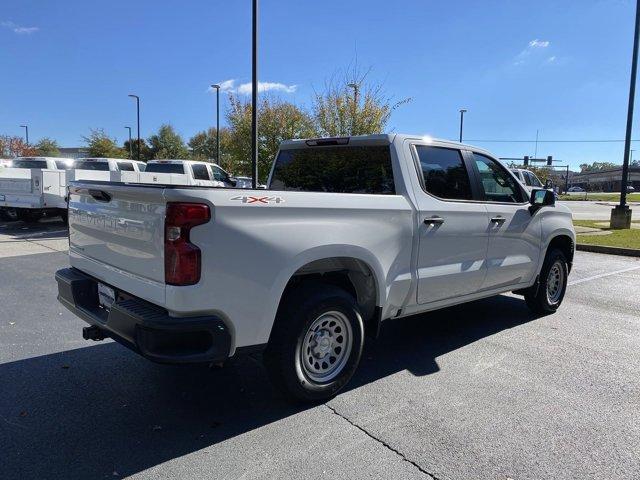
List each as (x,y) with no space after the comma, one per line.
(627,252)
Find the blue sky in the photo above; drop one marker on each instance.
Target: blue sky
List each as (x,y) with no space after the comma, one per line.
(560,67)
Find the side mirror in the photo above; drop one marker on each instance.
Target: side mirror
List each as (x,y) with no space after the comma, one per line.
(541,198)
(233,181)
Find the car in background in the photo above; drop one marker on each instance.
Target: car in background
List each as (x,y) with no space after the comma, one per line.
(576,190)
(630,189)
(104,169)
(527,178)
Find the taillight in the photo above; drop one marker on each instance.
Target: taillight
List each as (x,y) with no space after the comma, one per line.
(181,257)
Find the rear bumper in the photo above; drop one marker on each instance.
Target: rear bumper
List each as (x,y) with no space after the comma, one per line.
(144,327)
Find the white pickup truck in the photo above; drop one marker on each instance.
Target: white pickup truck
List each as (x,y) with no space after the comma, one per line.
(351,232)
(185,172)
(106,169)
(33,187)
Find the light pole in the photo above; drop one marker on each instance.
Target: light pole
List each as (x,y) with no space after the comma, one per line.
(254,95)
(26,133)
(138,116)
(217,87)
(621,214)
(462,112)
(356,90)
(130,146)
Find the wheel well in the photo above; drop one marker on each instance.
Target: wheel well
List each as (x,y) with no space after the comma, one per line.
(350,274)
(565,245)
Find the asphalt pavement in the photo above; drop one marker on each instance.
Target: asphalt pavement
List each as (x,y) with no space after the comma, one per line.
(484,390)
(589,210)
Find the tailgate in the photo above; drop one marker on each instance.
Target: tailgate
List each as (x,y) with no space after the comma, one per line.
(116,233)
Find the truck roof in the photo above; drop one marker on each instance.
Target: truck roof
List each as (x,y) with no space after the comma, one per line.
(377,139)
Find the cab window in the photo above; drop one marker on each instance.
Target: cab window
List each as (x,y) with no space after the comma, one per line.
(200,172)
(496,183)
(444,173)
(125,166)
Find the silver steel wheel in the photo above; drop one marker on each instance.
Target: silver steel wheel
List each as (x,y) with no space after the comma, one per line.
(555,282)
(326,347)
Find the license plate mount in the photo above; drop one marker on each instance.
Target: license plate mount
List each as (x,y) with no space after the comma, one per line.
(106,296)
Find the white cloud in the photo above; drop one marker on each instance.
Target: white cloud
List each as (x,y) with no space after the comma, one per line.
(20,30)
(539,43)
(245,88)
(532,50)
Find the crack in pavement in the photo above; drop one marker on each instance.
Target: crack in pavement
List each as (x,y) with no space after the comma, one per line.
(382,442)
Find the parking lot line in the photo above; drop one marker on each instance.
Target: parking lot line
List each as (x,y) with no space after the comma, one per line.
(602,275)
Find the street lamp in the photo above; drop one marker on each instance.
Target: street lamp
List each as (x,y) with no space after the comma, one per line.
(130,147)
(254,95)
(462,112)
(138,115)
(356,89)
(217,87)
(26,133)
(621,214)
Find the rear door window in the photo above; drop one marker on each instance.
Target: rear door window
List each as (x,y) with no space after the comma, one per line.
(444,173)
(200,172)
(336,169)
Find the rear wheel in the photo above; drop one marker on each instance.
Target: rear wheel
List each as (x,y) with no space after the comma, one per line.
(316,343)
(553,284)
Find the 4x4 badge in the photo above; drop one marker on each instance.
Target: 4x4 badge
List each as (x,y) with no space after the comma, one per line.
(248,199)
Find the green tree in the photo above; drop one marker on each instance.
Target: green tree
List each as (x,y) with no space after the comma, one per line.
(278,120)
(101,145)
(167,144)
(352,106)
(145,151)
(47,147)
(597,166)
(203,145)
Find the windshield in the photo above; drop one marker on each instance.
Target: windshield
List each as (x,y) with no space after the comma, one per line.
(165,168)
(29,163)
(92,165)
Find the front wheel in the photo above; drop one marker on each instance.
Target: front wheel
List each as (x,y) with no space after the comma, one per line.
(316,343)
(553,284)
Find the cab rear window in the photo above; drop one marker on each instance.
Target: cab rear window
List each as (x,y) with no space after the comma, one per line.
(29,163)
(88,165)
(165,168)
(336,169)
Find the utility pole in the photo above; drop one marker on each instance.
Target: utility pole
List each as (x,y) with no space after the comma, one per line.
(254,95)
(138,116)
(462,112)
(354,111)
(130,145)
(217,87)
(26,133)
(621,214)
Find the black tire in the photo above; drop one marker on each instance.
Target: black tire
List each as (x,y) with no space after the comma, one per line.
(540,300)
(301,309)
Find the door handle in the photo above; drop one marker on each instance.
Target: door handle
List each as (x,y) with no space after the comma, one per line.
(498,219)
(435,220)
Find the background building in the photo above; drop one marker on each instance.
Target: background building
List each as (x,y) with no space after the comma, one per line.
(605,180)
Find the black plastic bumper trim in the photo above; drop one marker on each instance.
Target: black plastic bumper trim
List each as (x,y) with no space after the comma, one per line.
(144,327)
